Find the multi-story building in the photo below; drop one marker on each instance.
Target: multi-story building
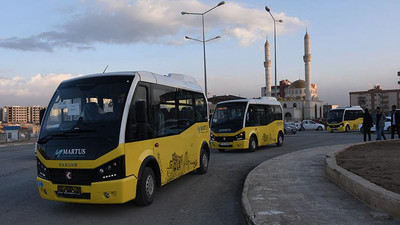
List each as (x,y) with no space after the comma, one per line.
(21,114)
(18,114)
(35,114)
(376,97)
(3,116)
(280,89)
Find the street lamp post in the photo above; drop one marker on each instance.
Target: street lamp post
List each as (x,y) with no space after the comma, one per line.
(280,21)
(204,40)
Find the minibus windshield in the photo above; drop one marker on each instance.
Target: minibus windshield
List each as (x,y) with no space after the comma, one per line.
(88,108)
(228,117)
(335,116)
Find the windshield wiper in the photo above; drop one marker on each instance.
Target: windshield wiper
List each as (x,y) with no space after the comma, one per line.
(48,137)
(75,130)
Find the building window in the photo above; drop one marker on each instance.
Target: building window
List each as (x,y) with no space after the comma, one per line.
(294,105)
(284,105)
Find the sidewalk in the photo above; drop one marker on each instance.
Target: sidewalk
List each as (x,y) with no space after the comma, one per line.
(294,189)
(17,143)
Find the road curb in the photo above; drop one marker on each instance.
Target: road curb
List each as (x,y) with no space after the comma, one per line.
(9,144)
(247,211)
(369,193)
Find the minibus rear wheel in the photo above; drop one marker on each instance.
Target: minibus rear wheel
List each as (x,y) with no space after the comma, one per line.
(146,187)
(203,162)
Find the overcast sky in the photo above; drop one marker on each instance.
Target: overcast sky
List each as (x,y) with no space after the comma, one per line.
(354,44)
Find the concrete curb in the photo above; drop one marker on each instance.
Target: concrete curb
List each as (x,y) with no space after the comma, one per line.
(371,194)
(9,144)
(247,211)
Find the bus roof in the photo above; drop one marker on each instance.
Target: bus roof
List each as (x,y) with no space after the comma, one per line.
(172,80)
(348,108)
(262,101)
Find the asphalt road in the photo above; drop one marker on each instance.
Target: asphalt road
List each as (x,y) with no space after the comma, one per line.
(213,198)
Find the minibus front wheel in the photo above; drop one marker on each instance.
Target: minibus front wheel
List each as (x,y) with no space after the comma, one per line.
(146,187)
(252,143)
(279,142)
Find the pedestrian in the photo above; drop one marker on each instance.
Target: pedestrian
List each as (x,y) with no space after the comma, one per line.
(367,124)
(379,119)
(302,126)
(395,121)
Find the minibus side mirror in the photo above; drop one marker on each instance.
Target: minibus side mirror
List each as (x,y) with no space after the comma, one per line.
(41,115)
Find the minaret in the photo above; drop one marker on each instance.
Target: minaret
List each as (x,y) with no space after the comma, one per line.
(307,64)
(267,65)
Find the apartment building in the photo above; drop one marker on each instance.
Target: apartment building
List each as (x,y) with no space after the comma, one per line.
(376,97)
(21,114)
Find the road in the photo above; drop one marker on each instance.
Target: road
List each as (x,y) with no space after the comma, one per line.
(213,198)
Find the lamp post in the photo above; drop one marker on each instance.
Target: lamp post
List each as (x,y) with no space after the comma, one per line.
(204,40)
(280,21)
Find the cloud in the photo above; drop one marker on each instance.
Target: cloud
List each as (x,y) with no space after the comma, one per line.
(151,21)
(26,44)
(35,90)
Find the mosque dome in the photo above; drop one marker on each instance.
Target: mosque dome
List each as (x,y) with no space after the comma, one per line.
(298,84)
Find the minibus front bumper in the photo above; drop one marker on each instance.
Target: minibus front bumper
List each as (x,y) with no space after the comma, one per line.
(336,127)
(105,192)
(240,144)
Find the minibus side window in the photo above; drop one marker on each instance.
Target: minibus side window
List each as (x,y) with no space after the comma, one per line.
(250,117)
(269,114)
(347,115)
(164,111)
(278,112)
(360,114)
(185,109)
(138,126)
(201,107)
(261,115)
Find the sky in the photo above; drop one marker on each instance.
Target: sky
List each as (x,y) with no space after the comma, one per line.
(354,44)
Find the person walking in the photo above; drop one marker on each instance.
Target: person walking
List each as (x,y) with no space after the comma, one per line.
(379,119)
(367,124)
(395,121)
(302,126)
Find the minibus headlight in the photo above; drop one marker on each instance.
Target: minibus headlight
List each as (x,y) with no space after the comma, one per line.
(115,169)
(212,137)
(42,170)
(240,136)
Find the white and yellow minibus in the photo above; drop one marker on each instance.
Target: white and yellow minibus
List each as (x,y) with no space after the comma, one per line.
(246,124)
(344,119)
(115,137)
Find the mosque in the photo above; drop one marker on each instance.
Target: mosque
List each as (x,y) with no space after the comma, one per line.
(299,99)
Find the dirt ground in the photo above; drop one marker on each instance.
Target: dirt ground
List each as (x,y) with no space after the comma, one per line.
(378,162)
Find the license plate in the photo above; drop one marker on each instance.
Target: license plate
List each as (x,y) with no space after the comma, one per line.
(224,144)
(69,190)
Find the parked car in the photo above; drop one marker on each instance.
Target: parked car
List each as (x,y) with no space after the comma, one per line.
(309,125)
(387,128)
(289,128)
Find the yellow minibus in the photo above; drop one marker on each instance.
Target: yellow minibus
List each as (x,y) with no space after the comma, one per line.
(344,119)
(115,137)
(246,124)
